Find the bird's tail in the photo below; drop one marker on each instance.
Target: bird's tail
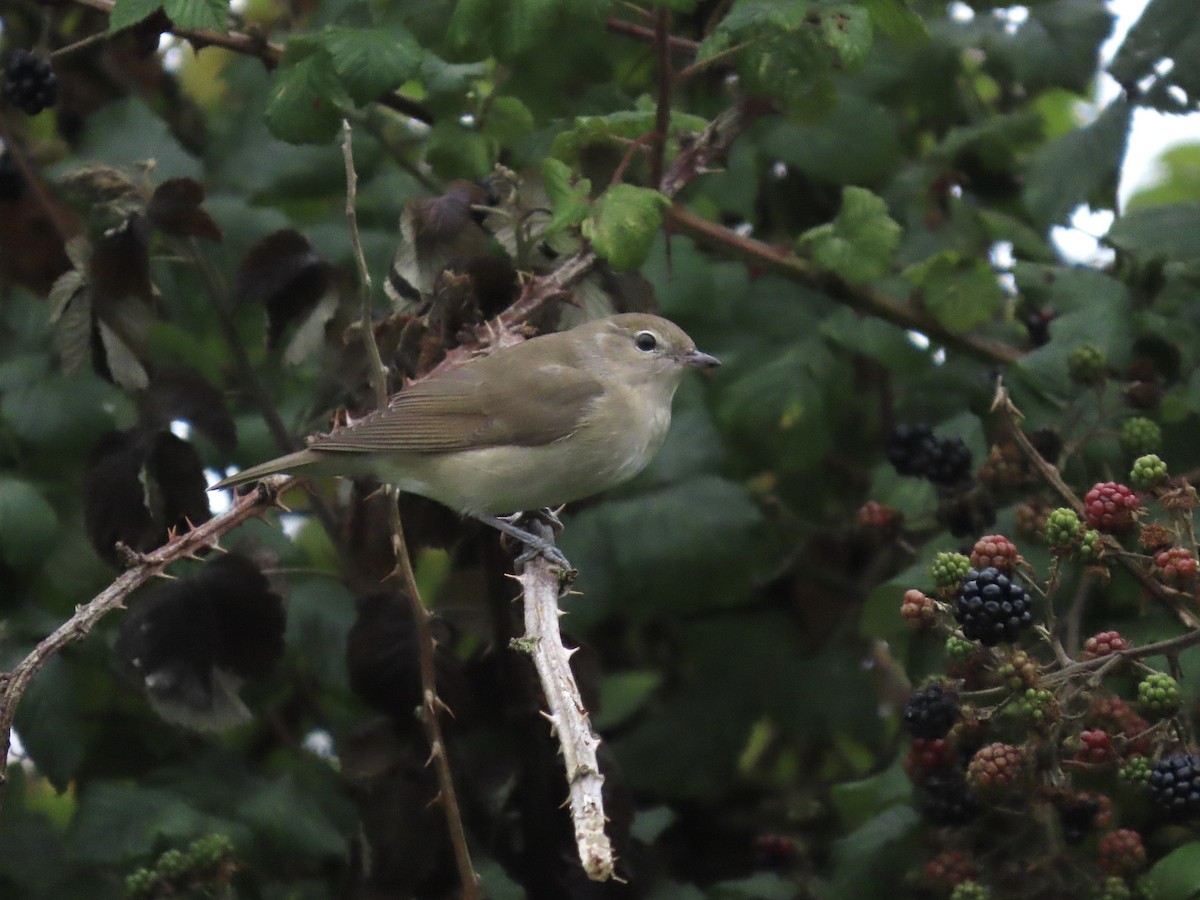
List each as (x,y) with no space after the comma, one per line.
(301,459)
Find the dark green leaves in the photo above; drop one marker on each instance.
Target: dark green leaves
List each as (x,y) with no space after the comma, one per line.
(370,62)
(192,15)
(28,524)
(305,101)
(960,293)
(1164,46)
(1169,232)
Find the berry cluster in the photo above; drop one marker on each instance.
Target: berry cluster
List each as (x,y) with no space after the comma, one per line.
(30,83)
(915,450)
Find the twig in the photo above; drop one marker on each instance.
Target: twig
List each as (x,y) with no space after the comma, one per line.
(662,110)
(267,52)
(860,297)
(190,544)
(541,585)
(64,228)
(642,33)
(1169,648)
(431,703)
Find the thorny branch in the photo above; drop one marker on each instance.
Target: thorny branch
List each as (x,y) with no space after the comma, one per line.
(432,705)
(190,544)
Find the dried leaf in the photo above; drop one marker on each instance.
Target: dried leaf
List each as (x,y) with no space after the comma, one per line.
(285,273)
(182,393)
(175,209)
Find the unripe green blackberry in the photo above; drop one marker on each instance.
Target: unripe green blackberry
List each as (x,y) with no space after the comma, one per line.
(141,883)
(1122,853)
(1019,672)
(1140,436)
(959,651)
(172,864)
(1038,707)
(1134,773)
(971,890)
(1158,695)
(1087,365)
(996,770)
(1090,547)
(1063,530)
(1147,471)
(1113,888)
(948,571)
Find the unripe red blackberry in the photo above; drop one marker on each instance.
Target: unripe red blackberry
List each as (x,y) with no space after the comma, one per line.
(1103,644)
(931,711)
(1110,507)
(1122,853)
(930,757)
(1158,695)
(880,519)
(997,769)
(996,551)
(1175,567)
(949,869)
(774,850)
(992,608)
(1019,672)
(1095,747)
(919,612)
(1174,786)
(1063,530)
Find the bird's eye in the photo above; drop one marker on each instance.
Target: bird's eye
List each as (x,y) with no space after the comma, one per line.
(645,341)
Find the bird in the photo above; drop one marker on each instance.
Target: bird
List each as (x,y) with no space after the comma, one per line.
(529,426)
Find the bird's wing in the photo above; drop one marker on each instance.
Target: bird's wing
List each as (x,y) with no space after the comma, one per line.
(474,405)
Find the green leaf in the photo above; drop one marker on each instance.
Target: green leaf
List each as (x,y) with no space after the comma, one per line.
(622,695)
(304,106)
(508,119)
(1176,876)
(1082,166)
(959,293)
(1056,46)
(1167,29)
(860,242)
(616,130)
(198,15)
(320,613)
(459,151)
(623,224)
(1177,179)
(284,816)
(1159,232)
(896,19)
(50,721)
(866,860)
(28,524)
(857,802)
(118,823)
(129,12)
(568,195)
(370,61)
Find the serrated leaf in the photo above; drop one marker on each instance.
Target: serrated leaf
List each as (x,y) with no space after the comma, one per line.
(959,293)
(1159,232)
(896,19)
(126,13)
(304,105)
(28,524)
(71,313)
(568,196)
(120,359)
(370,61)
(616,129)
(860,242)
(198,15)
(623,224)
(507,120)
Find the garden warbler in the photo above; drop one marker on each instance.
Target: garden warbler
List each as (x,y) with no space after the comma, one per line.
(533,425)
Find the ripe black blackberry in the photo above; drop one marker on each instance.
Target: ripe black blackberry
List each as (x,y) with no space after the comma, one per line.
(12,184)
(30,83)
(1078,815)
(916,451)
(931,711)
(946,800)
(992,608)
(1174,786)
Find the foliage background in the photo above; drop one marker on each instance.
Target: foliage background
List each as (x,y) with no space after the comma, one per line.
(744,657)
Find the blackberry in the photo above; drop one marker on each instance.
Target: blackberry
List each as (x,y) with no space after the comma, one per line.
(1090,547)
(1103,644)
(919,611)
(1140,436)
(1147,471)
(1077,816)
(931,711)
(1158,695)
(914,450)
(946,800)
(997,769)
(1063,530)
(1110,506)
(1048,443)
(1175,566)
(1087,364)
(1135,773)
(1122,853)
(948,570)
(971,890)
(30,83)
(992,608)
(1174,786)
(995,550)
(12,183)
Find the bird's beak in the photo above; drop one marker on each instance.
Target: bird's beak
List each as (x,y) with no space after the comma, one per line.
(697,359)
